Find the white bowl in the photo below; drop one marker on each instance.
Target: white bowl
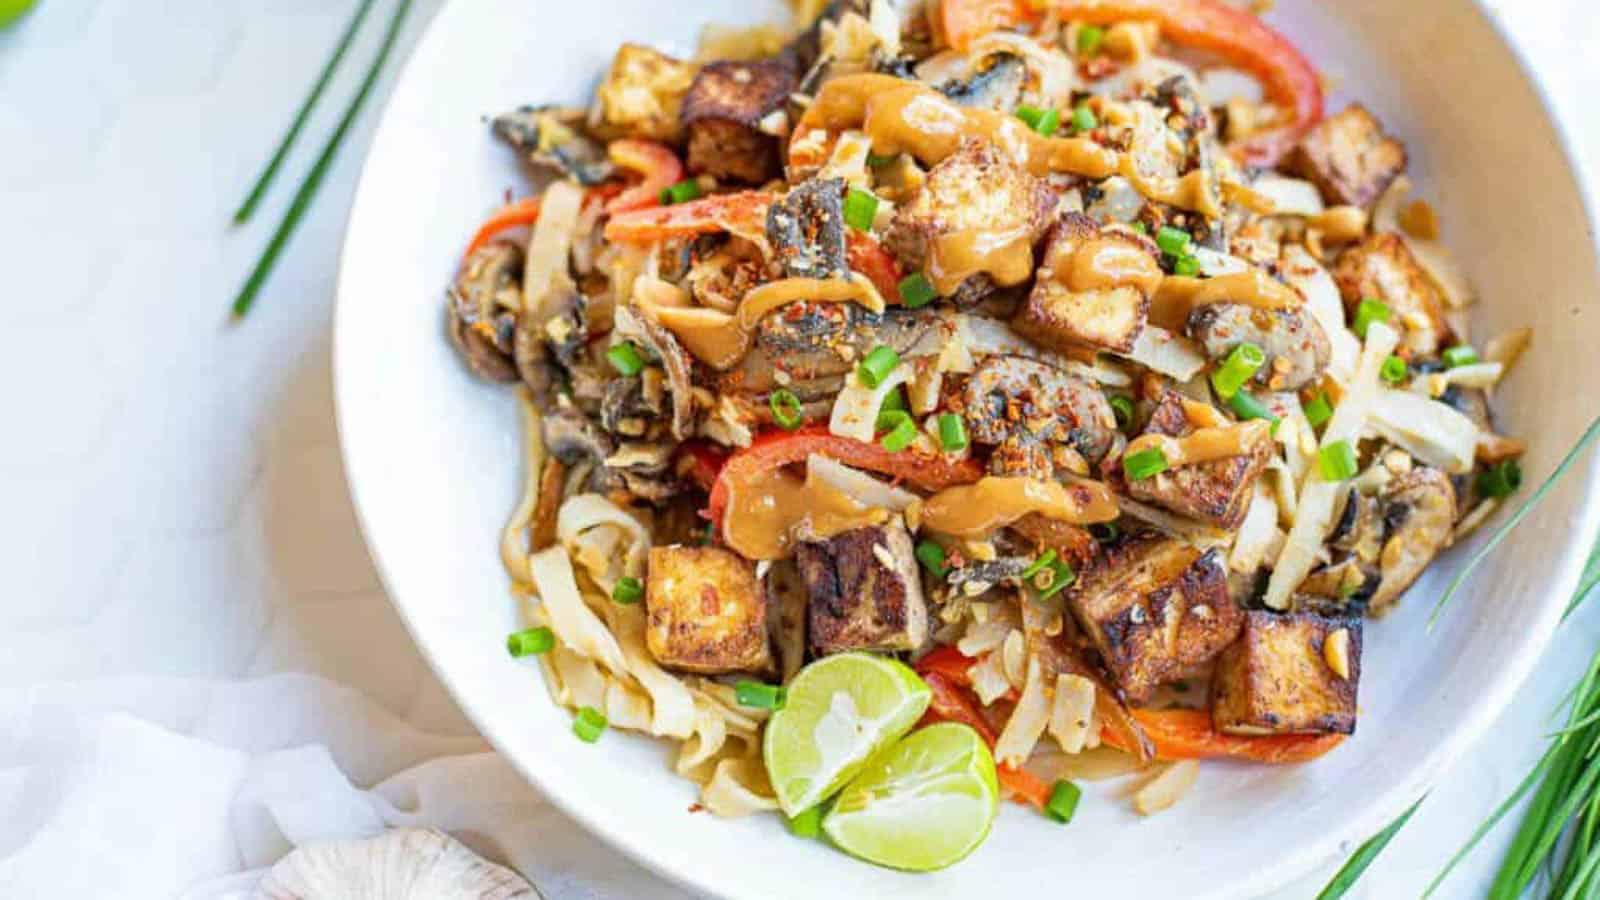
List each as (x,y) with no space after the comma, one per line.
(433,458)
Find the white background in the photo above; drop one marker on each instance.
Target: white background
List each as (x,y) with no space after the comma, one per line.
(196,658)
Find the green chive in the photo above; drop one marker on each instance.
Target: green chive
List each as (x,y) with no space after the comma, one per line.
(1363,857)
(589,724)
(890,419)
(1337,461)
(932,557)
(1122,409)
(860,209)
(682,192)
(786,409)
(1246,406)
(1239,367)
(530,642)
(902,430)
(1501,479)
(1083,119)
(628,590)
(625,359)
(1393,370)
(1460,355)
(895,401)
(1089,38)
(1187,266)
(952,432)
(319,170)
(1173,240)
(1318,410)
(1061,575)
(1367,312)
(808,824)
(1037,566)
(757,695)
(1044,121)
(1105,532)
(1063,801)
(877,365)
(264,180)
(1145,464)
(916,291)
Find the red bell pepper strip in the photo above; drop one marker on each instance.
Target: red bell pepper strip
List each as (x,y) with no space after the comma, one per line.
(963,21)
(1188,734)
(868,257)
(656,162)
(742,213)
(776,448)
(951,703)
(512,215)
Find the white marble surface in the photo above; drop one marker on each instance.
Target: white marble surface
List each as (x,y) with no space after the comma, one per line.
(180,551)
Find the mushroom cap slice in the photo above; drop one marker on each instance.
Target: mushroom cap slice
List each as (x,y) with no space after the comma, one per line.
(1419,514)
(399,864)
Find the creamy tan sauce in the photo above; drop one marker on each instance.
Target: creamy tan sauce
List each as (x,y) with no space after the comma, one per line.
(713,336)
(1191,191)
(764,299)
(1102,264)
(1340,224)
(1204,444)
(1179,295)
(1007,257)
(767,514)
(980,509)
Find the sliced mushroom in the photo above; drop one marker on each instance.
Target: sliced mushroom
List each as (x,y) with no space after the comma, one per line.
(1419,514)
(1358,529)
(674,359)
(975,578)
(1297,349)
(810,339)
(995,82)
(573,438)
(1029,403)
(1338,589)
(480,326)
(552,137)
(626,409)
(806,229)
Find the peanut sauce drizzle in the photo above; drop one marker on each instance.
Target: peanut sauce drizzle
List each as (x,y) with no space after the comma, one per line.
(991,503)
(770,511)
(1180,295)
(1204,444)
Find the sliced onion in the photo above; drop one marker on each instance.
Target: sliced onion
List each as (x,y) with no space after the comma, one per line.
(1167,353)
(1072,713)
(857,484)
(1219,84)
(1431,431)
(550,242)
(1305,274)
(1028,720)
(1289,196)
(1256,532)
(855,410)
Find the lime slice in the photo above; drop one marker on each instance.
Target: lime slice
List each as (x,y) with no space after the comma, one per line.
(925,803)
(840,710)
(12,10)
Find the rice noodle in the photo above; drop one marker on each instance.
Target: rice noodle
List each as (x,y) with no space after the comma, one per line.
(1072,712)
(1429,430)
(1167,788)
(859,485)
(514,536)
(855,409)
(570,618)
(1028,720)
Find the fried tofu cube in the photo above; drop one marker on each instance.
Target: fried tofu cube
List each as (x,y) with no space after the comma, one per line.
(1349,157)
(1289,673)
(975,189)
(706,612)
(1216,492)
(641,95)
(734,116)
(1381,267)
(1154,606)
(865,592)
(1106,318)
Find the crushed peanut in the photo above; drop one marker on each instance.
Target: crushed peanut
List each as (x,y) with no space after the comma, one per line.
(1336,651)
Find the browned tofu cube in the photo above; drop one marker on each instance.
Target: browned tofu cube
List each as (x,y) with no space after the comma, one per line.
(707,612)
(1153,606)
(641,95)
(1382,268)
(1349,157)
(1105,318)
(1289,673)
(734,116)
(975,189)
(1216,492)
(864,591)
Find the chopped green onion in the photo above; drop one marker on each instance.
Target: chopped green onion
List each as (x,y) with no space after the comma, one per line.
(1239,367)
(1460,355)
(1030,114)
(786,409)
(952,432)
(902,430)
(1063,801)
(756,695)
(1146,463)
(1037,566)
(932,557)
(1246,406)
(1501,479)
(877,365)
(1122,409)
(808,824)
(1089,38)
(530,642)
(1337,461)
(895,400)
(1141,227)
(625,358)
(916,290)
(1061,575)
(1173,240)
(1044,121)
(1318,410)
(682,192)
(1393,370)
(1083,118)
(876,161)
(628,590)
(589,724)
(1105,532)
(1187,266)
(860,209)
(1367,312)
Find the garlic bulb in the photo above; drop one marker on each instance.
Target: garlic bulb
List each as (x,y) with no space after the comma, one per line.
(403,864)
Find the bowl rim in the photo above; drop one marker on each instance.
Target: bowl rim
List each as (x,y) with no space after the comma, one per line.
(1299,862)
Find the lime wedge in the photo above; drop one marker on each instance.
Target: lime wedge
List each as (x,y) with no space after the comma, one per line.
(839,712)
(923,804)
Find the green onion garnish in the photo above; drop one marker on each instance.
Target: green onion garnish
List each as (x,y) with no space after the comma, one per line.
(1393,370)
(1239,367)
(808,824)
(1030,115)
(1501,479)
(1246,406)
(1063,801)
(625,358)
(1037,566)
(589,724)
(1318,410)
(1089,38)
(1122,409)
(932,557)
(1187,266)
(1141,227)
(1061,575)
(757,695)
(1367,312)
(952,432)
(530,642)
(895,400)
(1460,355)
(1144,464)
(916,291)
(1044,121)
(877,365)
(1337,461)
(682,192)
(1083,119)
(1105,532)
(628,590)
(786,409)
(860,209)
(902,430)
(1173,240)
